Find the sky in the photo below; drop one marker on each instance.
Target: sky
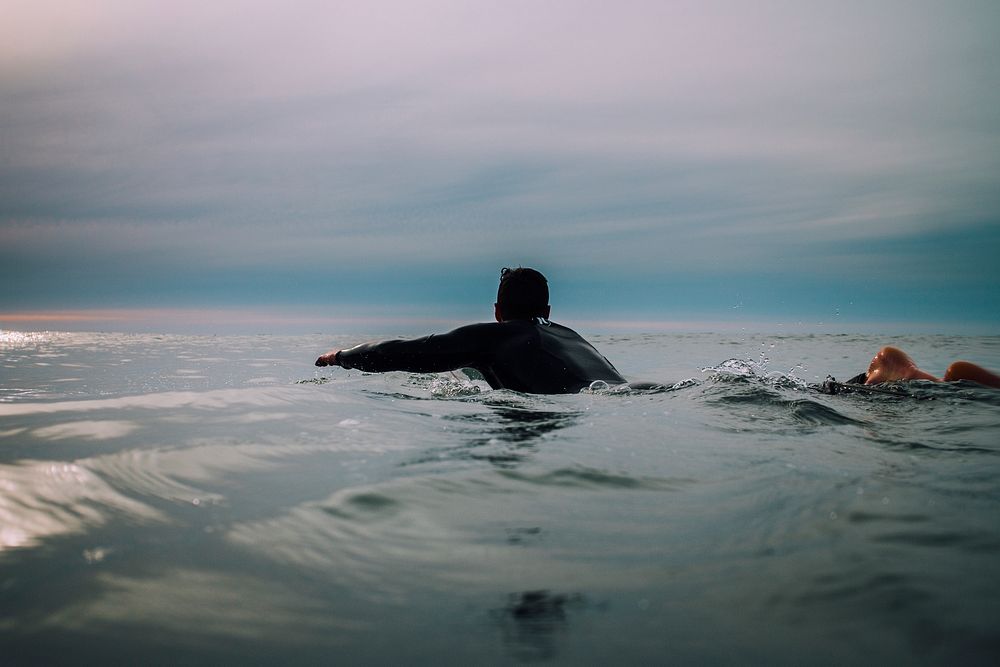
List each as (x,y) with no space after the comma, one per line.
(324,164)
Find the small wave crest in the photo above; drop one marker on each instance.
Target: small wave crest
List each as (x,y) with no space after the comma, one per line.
(747,369)
(746,382)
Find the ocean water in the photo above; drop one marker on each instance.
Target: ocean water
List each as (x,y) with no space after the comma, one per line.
(219,500)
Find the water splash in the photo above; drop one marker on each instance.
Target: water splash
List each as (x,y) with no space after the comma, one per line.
(747,369)
(442,386)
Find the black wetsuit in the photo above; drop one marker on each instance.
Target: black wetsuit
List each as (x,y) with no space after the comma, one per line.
(533,356)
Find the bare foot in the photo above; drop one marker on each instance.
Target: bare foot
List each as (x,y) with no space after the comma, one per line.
(893,364)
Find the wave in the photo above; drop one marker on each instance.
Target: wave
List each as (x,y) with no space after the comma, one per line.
(739,384)
(439,532)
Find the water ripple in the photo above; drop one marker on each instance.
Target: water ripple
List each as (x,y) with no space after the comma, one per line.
(39,500)
(588,478)
(812,412)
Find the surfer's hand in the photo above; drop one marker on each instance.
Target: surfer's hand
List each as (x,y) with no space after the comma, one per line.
(328,359)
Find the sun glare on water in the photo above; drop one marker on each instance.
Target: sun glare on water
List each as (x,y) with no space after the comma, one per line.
(15,339)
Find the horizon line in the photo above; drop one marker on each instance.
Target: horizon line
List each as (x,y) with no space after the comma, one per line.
(283,319)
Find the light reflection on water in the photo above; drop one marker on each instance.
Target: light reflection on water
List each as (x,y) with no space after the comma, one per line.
(289,512)
(42,499)
(21,339)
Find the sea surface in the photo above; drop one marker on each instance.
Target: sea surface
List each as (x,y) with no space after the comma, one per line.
(220,500)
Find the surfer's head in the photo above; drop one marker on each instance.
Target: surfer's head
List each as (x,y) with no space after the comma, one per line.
(523,294)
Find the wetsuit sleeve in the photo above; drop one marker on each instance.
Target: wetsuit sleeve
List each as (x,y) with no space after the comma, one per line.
(465,346)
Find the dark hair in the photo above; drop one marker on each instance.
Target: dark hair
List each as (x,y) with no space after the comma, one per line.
(523,294)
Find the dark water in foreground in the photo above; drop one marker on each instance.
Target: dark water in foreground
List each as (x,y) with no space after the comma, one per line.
(206,500)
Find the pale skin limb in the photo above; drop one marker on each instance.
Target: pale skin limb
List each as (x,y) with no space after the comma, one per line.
(893,364)
(963,370)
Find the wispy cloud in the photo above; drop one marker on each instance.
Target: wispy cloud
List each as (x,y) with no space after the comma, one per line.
(235,150)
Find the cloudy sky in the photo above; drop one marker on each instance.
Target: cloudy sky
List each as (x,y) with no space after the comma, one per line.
(661,161)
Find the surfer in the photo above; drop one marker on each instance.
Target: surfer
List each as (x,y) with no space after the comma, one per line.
(522,350)
(891,364)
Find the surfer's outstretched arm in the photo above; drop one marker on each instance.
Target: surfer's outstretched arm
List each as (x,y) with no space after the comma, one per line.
(461,347)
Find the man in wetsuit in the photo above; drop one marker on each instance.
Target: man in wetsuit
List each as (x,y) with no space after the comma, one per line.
(892,364)
(522,350)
